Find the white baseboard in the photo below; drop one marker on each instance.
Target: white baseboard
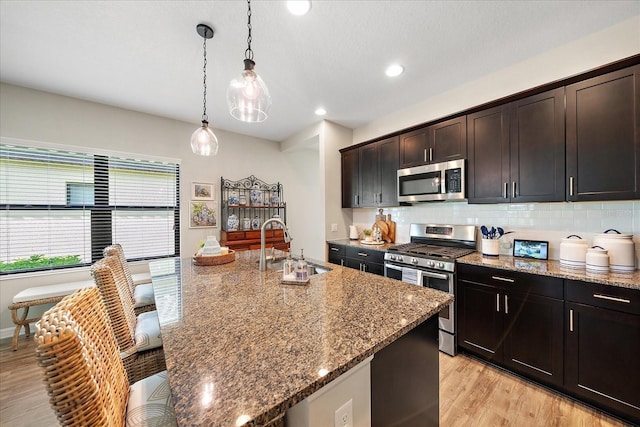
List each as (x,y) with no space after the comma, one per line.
(8,332)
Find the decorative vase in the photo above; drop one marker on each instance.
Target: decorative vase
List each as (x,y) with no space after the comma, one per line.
(246,224)
(256,197)
(232,223)
(255,224)
(242,200)
(233,199)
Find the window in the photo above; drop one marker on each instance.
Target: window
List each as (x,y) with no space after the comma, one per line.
(61,208)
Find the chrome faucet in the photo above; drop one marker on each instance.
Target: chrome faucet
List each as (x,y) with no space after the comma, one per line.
(287,239)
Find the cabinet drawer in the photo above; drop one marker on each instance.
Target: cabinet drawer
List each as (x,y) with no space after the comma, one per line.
(336,250)
(611,297)
(513,281)
(368,255)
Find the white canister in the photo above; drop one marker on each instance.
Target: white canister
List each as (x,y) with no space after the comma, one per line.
(573,251)
(622,251)
(597,259)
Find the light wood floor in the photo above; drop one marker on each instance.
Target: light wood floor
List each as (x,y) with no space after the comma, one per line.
(471,394)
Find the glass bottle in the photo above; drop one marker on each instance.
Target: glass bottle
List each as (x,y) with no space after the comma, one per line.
(288,268)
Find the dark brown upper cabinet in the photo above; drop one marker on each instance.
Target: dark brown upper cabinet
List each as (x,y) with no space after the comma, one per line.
(350,179)
(603,137)
(516,151)
(369,175)
(437,143)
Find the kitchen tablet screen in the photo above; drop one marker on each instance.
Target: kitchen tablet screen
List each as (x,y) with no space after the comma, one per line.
(530,249)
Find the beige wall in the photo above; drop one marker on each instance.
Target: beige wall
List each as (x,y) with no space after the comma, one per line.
(42,117)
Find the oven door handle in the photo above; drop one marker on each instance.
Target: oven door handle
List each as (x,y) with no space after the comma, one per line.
(434,275)
(393,267)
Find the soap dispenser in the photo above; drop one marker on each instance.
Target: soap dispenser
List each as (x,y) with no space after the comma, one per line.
(288,268)
(302,275)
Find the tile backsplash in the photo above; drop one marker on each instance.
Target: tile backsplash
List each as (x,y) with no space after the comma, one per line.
(534,221)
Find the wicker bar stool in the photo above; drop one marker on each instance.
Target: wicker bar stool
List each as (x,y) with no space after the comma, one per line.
(138,336)
(83,372)
(141,287)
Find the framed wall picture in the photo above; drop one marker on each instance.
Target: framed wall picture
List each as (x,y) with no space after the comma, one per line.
(202,191)
(202,214)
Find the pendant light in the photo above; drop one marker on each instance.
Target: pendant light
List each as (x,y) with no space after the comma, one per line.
(247,96)
(203,141)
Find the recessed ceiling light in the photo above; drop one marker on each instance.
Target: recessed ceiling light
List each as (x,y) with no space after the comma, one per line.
(299,7)
(394,70)
(320,111)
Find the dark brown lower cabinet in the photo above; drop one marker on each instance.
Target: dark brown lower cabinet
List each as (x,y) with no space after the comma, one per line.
(602,348)
(512,319)
(368,260)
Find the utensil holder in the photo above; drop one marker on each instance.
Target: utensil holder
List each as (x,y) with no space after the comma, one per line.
(490,247)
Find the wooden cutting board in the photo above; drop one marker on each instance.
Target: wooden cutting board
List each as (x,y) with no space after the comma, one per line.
(384,229)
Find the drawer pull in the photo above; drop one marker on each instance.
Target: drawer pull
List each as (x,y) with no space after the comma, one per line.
(503,279)
(498,303)
(335,249)
(626,301)
(571,320)
(362,254)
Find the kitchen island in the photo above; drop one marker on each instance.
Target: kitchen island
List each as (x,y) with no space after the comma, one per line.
(242,348)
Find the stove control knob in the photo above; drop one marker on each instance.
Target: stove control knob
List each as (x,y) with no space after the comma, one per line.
(414,261)
(399,258)
(392,257)
(441,265)
(430,264)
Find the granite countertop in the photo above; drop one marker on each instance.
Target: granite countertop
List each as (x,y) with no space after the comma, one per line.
(357,243)
(553,268)
(241,347)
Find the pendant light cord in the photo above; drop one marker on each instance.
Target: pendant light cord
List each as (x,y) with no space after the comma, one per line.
(204,81)
(248,54)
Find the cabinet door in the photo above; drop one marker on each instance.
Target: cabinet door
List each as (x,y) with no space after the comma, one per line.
(603,137)
(350,182)
(369,175)
(480,321)
(534,341)
(448,140)
(388,164)
(488,143)
(336,253)
(413,148)
(601,364)
(537,148)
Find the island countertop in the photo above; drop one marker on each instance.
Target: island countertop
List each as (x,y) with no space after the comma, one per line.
(241,348)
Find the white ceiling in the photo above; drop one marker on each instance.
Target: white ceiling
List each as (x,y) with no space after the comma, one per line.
(147,56)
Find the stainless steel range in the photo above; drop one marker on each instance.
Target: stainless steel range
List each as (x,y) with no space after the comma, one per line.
(430,260)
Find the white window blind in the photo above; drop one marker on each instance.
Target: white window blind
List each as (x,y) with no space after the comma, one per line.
(61,208)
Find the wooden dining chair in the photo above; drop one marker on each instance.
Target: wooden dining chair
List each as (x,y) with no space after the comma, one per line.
(141,288)
(138,336)
(84,375)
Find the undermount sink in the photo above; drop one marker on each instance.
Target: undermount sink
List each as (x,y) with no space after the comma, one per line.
(312,269)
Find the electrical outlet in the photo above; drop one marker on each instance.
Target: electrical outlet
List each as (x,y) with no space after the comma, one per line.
(344,415)
(334,227)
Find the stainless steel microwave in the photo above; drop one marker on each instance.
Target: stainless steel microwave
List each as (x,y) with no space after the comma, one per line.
(435,182)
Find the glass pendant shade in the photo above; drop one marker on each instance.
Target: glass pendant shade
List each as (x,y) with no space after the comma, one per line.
(203,141)
(247,96)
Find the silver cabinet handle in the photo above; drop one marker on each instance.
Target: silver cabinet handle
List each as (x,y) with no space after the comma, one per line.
(506,304)
(335,249)
(626,301)
(513,189)
(571,186)
(498,303)
(503,279)
(571,320)
(425,155)
(505,191)
(342,262)
(362,254)
(431,154)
